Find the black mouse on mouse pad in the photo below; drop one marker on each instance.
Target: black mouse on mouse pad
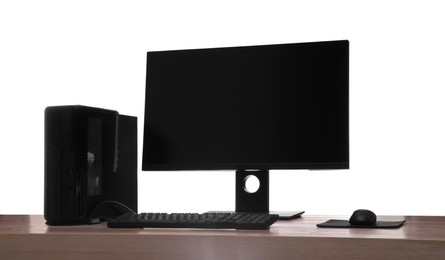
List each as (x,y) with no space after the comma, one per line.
(363,217)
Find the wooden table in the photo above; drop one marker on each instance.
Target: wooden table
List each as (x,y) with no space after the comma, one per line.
(27,237)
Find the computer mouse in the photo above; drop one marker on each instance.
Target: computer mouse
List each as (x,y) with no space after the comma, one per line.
(363,217)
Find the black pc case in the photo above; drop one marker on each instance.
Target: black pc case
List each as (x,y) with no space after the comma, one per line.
(90,164)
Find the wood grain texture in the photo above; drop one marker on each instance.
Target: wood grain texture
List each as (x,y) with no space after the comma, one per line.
(27,237)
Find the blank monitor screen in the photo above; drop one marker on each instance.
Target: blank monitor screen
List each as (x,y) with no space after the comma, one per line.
(283,106)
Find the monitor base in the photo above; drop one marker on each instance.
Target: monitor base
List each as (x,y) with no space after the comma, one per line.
(284,215)
(287,215)
(257,201)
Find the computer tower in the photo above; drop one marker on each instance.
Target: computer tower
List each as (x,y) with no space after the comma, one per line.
(90,164)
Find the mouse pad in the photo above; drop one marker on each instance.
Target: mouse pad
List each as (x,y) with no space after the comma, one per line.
(336,223)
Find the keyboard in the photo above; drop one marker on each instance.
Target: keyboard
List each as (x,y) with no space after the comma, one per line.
(218,220)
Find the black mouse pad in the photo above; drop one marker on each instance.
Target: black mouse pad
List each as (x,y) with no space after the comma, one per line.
(337,223)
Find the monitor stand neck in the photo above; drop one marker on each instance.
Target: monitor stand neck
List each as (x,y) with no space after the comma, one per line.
(256,201)
(247,201)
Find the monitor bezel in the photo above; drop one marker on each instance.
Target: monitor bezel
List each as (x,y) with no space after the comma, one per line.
(245,166)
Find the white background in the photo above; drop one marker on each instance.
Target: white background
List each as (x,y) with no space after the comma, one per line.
(94,53)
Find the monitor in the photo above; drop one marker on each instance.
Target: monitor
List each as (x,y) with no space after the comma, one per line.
(250,109)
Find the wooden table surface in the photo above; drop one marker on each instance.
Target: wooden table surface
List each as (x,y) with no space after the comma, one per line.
(28,237)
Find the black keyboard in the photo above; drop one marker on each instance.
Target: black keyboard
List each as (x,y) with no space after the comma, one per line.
(194,220)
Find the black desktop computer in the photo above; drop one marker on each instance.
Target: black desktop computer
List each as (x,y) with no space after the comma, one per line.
(90,164)
(248,109)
